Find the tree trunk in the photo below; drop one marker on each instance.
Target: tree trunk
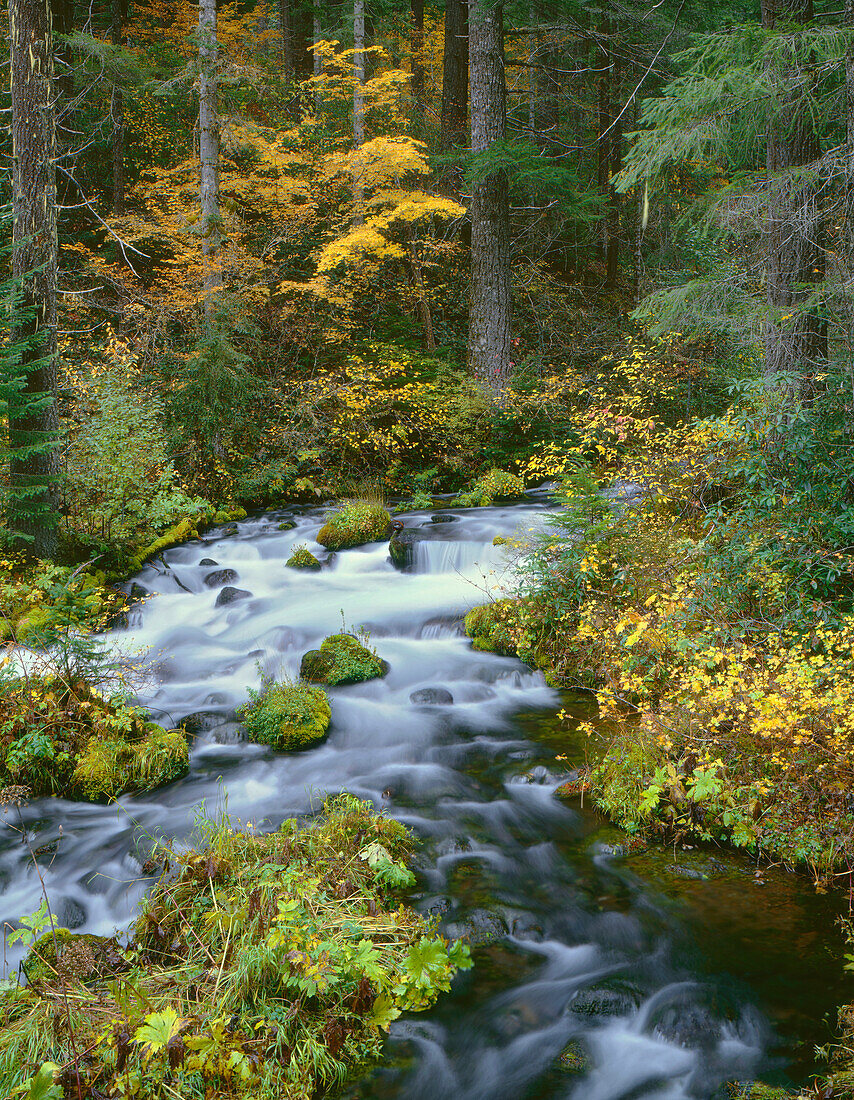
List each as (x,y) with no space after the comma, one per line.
(417,54)
(455,76)
(33,421)
(849,162)
(795,336)
(211,224)
(287,39)
(358,105)
(615,163)
(489,319)
(117,117)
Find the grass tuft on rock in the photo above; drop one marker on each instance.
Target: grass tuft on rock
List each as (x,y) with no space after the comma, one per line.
(342,659)
(288,716)
(302,558)
(490,627)
(260,966)
(491,486)
(357,522)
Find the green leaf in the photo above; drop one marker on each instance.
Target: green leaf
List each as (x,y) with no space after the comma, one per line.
(426,962)
(158,1029)
(41,1086)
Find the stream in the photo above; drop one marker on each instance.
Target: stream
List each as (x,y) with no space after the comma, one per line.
(597,977)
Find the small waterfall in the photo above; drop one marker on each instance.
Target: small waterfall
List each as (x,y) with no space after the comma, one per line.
(468,558)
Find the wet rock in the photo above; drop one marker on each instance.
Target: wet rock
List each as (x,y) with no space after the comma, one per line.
(220,577)
(229,595)
(302,558)
(401,546)
(357,523)
(230,531)
(443,517)
(433,697)
(286,525)
(611,999)
(138,591)
(573,1058)
(70,914)
(208,561)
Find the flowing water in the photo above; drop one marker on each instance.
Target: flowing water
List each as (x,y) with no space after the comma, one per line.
(656,978)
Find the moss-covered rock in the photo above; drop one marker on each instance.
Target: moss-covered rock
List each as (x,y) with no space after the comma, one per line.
(82,957)
(288,716)
(302,558)
(492,486)
(354,524)
(109,767)
(342,659)
(490,627)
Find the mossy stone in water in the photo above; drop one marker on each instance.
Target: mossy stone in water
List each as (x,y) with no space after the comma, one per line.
(342,659)
(302,558)
(573,1058)
(356,523)
(489,627)
(288,716)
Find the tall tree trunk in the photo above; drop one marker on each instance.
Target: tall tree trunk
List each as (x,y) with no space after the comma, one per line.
(33,421)
(455,76)
(795,336)
(117,117)
(417,54)
(211,225)
(287,39)
(849,162)
(489,319)
(317,63)
(615,163)
(358,104)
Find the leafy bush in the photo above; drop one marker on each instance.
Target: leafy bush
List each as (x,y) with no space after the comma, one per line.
(490,627)
(288,716)
(494,485)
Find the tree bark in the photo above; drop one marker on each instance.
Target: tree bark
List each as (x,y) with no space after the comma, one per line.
(489,318)
(117,117)
(455,76)
(33,420)
(795,336)
(211,224)
(287,39)
(417,52)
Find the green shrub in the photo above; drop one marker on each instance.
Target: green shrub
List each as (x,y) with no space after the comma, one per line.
(494,485)
(288,716)
(342,659)
(354,524)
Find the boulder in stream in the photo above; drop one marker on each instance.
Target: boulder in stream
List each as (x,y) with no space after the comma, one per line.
(356,523)
(342,659)
(220,577)
(302,558)
(490,627)
(432,697)
(208,561)
(287,716)
(230,595)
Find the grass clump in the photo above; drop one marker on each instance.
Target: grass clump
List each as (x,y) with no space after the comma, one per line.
(357,522)
(342,659)
(302,558)
(260,966)
(287,716)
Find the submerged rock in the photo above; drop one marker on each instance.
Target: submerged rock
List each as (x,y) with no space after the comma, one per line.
(220,577)
(110,765)
(286,525)
(356,523)
(288,716)
(208,561)
(433,697)
(229,595)
(608,999)
(341,659)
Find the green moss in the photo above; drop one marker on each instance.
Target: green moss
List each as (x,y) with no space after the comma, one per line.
(356,523)
(758,1090)
(288,716)
(182,531)
(341,659)
(490,627)
(302,558)
(573,1058)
